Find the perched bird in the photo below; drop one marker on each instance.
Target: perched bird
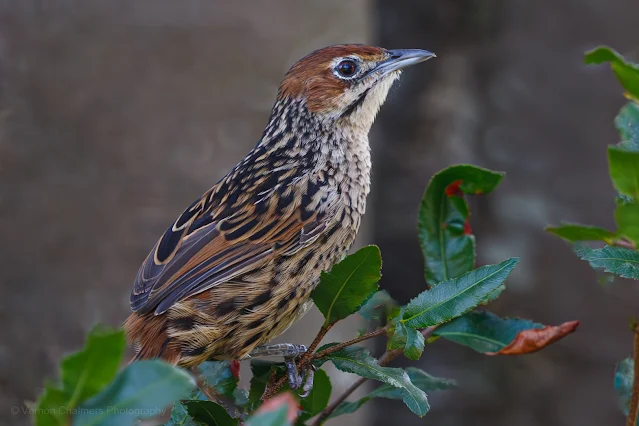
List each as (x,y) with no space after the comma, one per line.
(236,269)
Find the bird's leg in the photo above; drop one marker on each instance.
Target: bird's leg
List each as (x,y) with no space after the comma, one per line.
(290,352)
(285,350)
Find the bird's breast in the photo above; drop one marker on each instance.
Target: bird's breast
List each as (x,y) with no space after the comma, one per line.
(353,175)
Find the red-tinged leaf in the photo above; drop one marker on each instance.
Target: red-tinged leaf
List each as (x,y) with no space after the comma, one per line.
(445,235)
(276,403)
(485,332)
(235,368)
(467,229)
(455,188)
(528,341)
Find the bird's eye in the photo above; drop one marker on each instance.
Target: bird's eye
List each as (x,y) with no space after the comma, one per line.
(347,68)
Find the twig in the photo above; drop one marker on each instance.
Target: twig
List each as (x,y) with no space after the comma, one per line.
(333,406)
(634,399)
(317,340)
(383,361)
(212,395)
(625,244)
(328,351)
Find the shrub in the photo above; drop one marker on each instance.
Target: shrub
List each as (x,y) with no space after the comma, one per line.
(619,255)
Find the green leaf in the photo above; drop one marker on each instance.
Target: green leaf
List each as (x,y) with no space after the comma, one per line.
(318,399)
(83,374)
(48,411)
(419,378)
(414,344)
(624,376)
(218,375)
(180,417)
(627,122)
(276,417)
(483,331)
(261,370)
(444,234)
(486,333)
(359,361)
(620,261)
(209,413)
(143,389)
(86,372)
(378,307)
(627,218)
(241,396)
(409,340)
(349,407)
(422,380)
(626,72)
(624,171)
(457,296)
(261,373)
(575,232)
(349,284)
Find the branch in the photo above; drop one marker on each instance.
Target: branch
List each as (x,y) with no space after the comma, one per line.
(634,399)
(329,410)
(317,340)
(383,361)
(328,351)
(212,395)
(625,244)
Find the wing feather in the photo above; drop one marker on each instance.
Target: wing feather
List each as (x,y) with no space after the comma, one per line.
(221,236)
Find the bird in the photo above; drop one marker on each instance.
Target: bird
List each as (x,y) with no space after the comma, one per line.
(237,267)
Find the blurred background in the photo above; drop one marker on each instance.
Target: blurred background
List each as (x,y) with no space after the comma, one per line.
(115,115)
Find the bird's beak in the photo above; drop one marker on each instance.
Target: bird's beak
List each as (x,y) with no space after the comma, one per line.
(402,58)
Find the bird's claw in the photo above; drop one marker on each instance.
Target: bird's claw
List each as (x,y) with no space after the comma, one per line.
(291,353)
(294,379)
(308,382)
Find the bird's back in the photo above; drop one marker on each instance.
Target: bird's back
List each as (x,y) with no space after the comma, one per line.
(237,267)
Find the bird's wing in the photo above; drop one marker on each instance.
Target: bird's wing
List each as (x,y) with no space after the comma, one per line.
(209,245)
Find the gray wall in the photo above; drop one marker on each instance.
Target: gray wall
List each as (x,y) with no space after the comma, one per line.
(115,116)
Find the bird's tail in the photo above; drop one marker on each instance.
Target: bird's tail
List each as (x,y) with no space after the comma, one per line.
(147,332)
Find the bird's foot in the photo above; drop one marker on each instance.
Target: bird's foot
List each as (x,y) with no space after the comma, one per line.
(291,353)
(296,380)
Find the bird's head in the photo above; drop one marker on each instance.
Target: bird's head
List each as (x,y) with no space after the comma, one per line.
(347,83)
